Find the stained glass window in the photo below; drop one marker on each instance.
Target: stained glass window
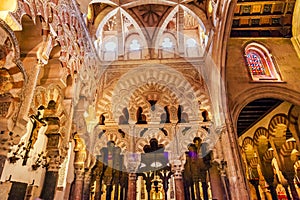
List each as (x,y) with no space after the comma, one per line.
(255,64)
(260,63)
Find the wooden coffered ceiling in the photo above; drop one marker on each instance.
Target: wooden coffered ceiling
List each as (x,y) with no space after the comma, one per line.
(253,18)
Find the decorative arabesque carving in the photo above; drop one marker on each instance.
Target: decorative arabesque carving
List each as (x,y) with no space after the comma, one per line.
(12,79)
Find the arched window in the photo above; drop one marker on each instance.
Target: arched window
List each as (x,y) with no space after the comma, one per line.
(192,49)
(168,46)
(255,64)
(260,63)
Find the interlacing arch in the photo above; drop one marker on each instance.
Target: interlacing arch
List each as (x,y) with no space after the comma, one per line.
(152,133)
(185,139)
(164,76)
(155,92)
(108,136)
(13,78)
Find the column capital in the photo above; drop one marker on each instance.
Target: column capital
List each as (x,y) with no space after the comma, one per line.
(177,167)
(54,162)
(132,161)
(132,176)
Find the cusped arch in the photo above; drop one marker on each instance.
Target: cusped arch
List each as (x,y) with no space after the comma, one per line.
(141,98)
(157,134)
(110,136)
(185,138)
(166,76)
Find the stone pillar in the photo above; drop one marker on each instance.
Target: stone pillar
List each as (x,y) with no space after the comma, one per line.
(78,185)
(216,182)
(286,188)
(234,169)
(204,189)
(53,155)
(177,168)
(197,190)
(120,51)
(131,186)
(87,184)
(80,157)
(50,183)
(255,183)
(98,188)
(290,180)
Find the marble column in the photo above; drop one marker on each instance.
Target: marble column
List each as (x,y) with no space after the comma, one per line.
(204,189)
(255,183)
(98,187)
(53,157)
(291,183)
(179,188)
(109,189)
(116,191)
(197,190)
(49,186)
(87,185)
(177,167)
(273,192)
(131,186)
(78,184)
(286,188)
(79,160)
(216,183)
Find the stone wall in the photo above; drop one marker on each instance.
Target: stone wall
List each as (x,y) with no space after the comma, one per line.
(241,89)
(296,28)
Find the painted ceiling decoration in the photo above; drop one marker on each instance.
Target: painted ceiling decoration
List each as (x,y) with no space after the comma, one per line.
(263,18)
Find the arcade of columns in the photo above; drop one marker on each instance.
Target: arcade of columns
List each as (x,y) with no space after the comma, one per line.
(126,111)
(271,157)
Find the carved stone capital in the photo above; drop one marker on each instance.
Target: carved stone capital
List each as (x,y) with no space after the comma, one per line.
(79,174)
(132,161)
(54,161)
(177,167)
